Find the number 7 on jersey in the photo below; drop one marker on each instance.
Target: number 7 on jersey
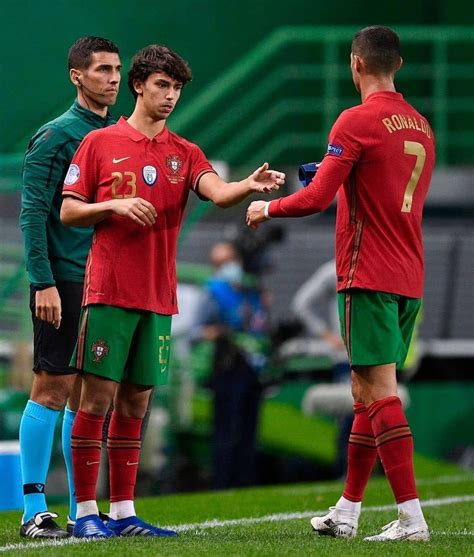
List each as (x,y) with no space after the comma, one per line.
(416,149)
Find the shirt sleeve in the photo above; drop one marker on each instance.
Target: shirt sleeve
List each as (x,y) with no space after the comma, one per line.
(199,166)
(82,177)
(43,171)
(344,150)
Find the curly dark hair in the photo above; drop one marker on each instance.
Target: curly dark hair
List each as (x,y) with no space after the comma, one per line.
(80,53)
(157,58)
(380,48)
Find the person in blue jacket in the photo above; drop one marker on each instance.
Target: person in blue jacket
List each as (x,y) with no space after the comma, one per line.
(233,315)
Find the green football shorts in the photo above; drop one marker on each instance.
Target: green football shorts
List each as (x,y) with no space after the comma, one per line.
(123,344)
(376,327)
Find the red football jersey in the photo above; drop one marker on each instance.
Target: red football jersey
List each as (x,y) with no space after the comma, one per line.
(130,265)
(383,154)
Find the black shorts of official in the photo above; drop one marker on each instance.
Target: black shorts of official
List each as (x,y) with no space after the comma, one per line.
(53,348)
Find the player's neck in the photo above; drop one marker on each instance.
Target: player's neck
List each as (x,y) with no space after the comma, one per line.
(89,104)
(146,125)
(375,84)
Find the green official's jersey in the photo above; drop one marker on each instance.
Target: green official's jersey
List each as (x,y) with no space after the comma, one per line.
(53,251)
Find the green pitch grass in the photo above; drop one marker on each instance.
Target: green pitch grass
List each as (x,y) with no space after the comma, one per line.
(274,521)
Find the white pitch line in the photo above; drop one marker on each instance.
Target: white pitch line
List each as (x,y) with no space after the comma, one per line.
(446,479)
(280,517)
(48,543)
(283,517)
(461,533)
(316,490)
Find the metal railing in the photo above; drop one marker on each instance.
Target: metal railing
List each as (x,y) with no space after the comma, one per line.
(263,60)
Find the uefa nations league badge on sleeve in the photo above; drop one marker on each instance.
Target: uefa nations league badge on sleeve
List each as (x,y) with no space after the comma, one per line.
(72,175)
(335,150)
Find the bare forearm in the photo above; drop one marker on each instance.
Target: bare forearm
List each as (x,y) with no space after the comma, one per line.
(232,193)
(78,213)
(75,212)
(225,194)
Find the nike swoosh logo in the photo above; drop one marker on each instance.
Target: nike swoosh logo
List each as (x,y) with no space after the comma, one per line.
(131,463)
(115,161)
(90,462)
(409,535)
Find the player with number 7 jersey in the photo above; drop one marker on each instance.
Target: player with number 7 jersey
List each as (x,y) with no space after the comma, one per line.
(380,159)
(382,152)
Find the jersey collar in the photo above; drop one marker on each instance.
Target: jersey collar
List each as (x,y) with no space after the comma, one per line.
(393,95)
(137,136)
(90,116)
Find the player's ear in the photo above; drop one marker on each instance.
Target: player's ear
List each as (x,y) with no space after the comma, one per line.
(75,76)
(399,64)
(358,63)
(355,62)
(138,86)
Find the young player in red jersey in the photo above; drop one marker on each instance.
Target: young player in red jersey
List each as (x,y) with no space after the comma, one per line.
(132,182)
(382,153)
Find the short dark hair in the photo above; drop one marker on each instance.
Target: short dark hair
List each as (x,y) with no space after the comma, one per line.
(157,58)
(80,53)
(380,48)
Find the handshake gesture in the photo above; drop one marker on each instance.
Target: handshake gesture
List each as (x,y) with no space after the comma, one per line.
(257,212)
(264,180)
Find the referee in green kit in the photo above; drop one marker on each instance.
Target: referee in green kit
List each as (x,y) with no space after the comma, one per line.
(55,259)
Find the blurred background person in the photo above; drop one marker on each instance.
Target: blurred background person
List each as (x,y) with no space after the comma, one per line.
(233,315)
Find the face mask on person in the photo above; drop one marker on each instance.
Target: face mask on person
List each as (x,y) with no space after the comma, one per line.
(231,272)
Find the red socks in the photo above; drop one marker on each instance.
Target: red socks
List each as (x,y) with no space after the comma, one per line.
(381,429)
(123,445)
(86,441)
(361,455)
(394,446)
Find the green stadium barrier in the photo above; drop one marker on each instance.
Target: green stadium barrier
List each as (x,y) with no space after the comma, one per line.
(235,139)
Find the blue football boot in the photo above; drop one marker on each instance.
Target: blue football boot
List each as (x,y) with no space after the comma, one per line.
(70,522)
(91,526)
(134,526)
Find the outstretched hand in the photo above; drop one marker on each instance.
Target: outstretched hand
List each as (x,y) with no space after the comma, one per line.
(256,214)
(264,180)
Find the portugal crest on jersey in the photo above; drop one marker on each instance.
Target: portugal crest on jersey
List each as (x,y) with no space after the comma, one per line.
(174,163)
(149,174)
(100,349)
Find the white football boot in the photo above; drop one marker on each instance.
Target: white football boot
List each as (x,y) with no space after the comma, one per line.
(399,530)
(337,523)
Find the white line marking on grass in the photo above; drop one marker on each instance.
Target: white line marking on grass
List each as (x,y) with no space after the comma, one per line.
(283,517)
(461,533)
(279,517)
(46,543)
(447,479)
(316,490)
